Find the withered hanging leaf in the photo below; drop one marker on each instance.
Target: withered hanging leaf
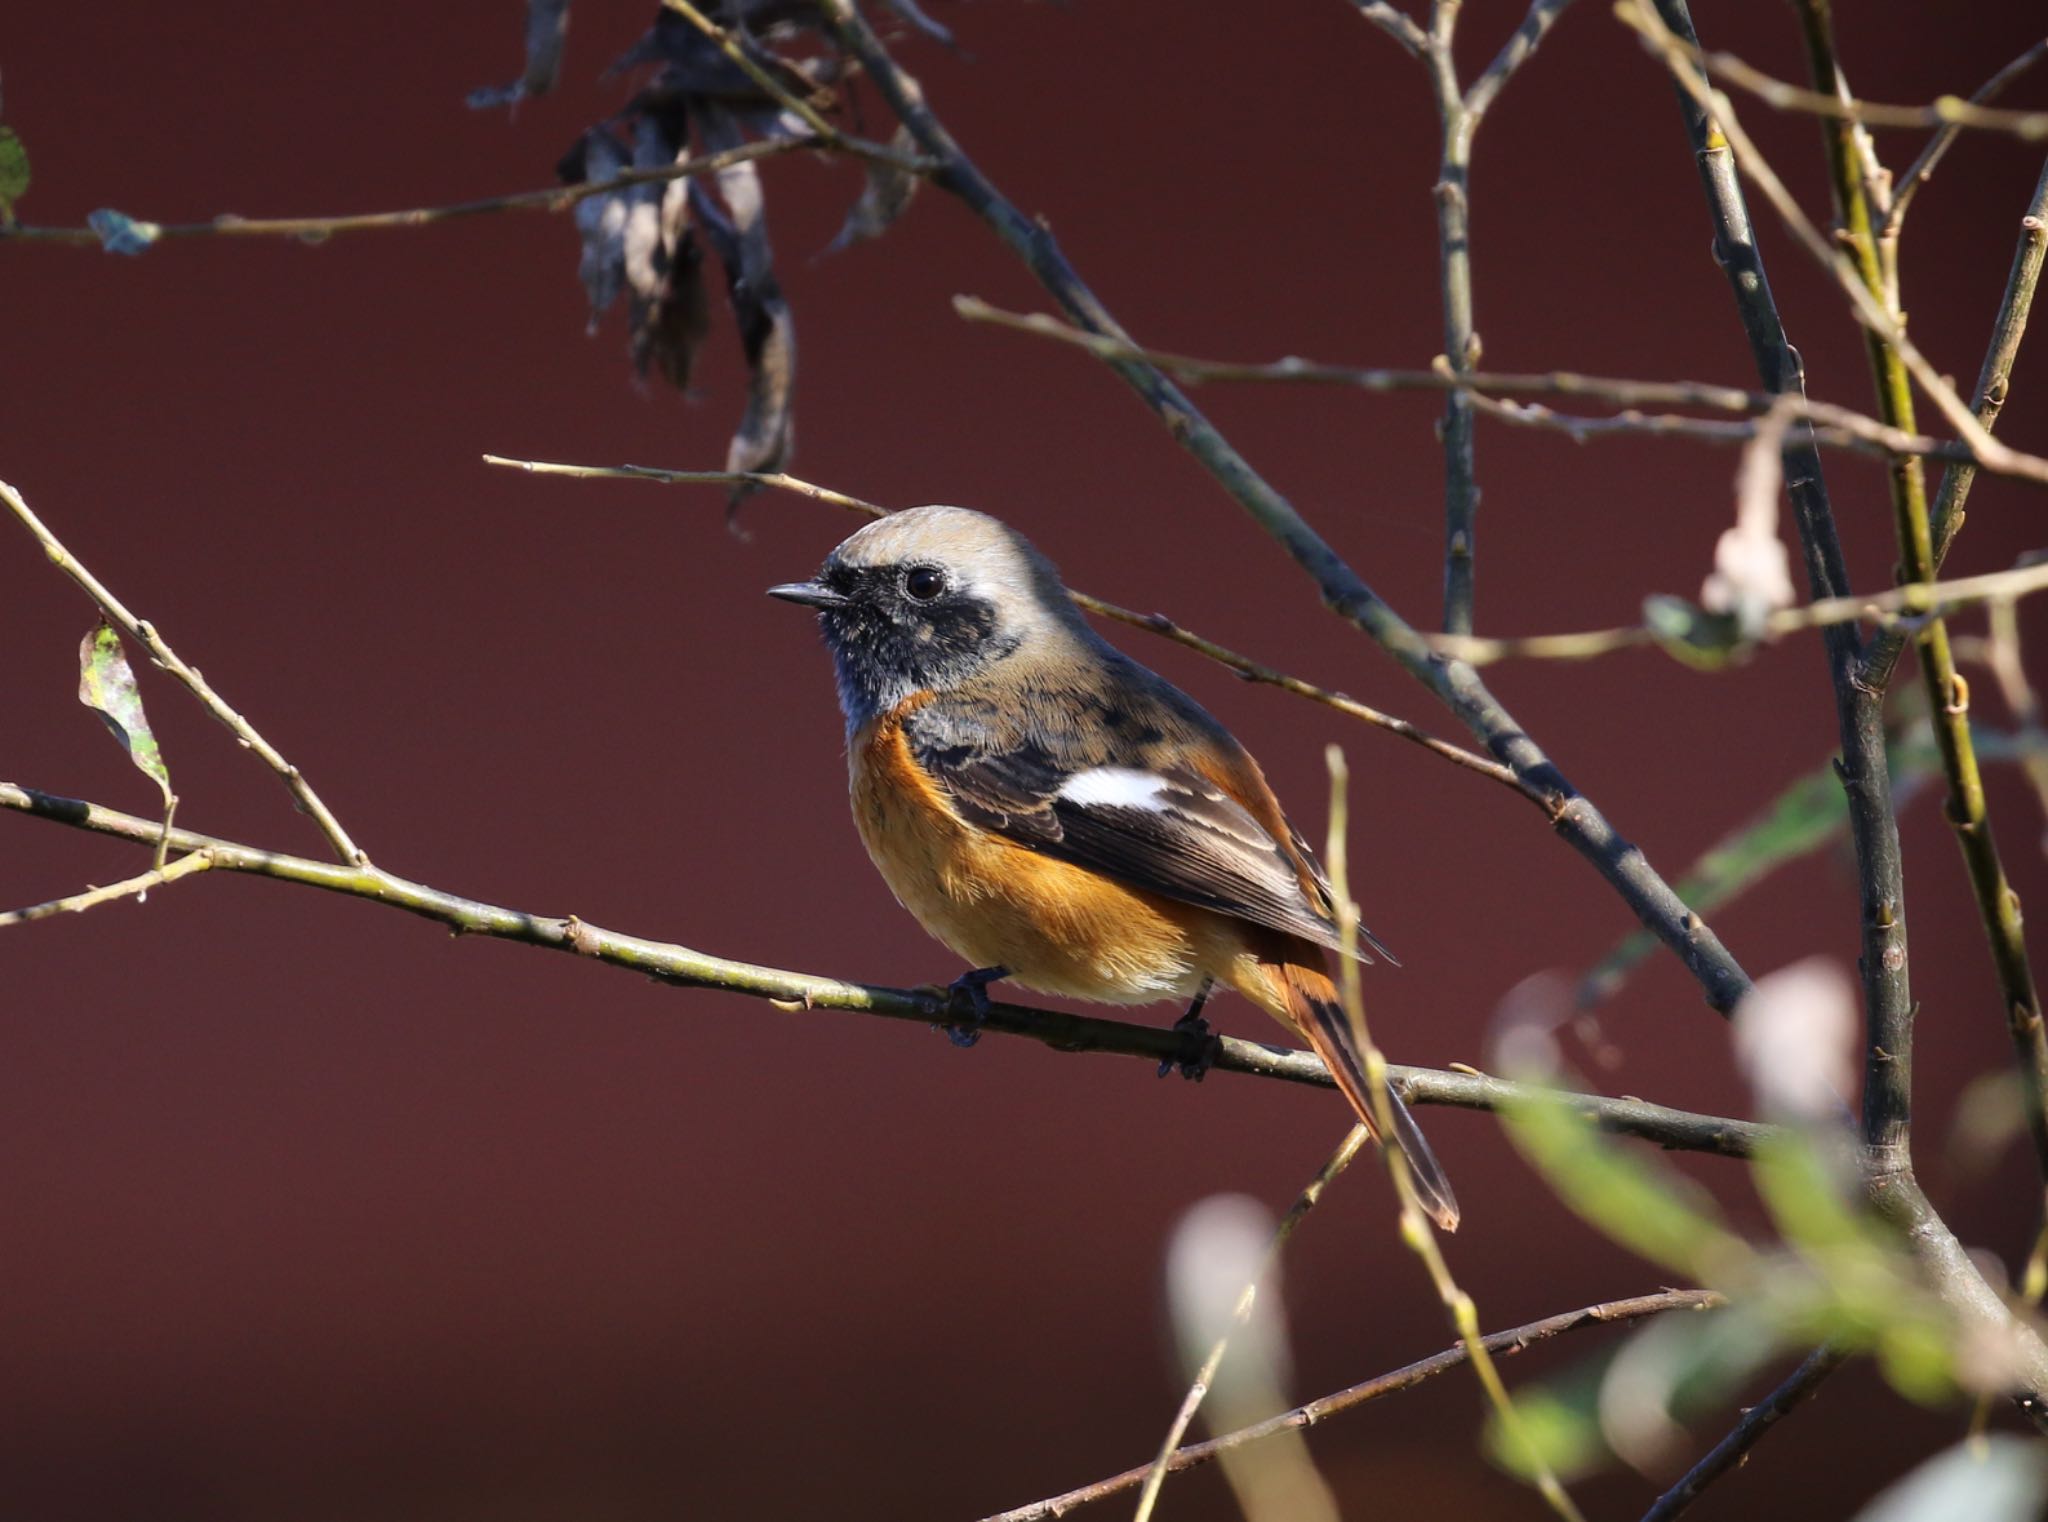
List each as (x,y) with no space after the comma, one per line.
(662,260)
(14,175)
(106,685)
(121,233)
(601,219)
(547,27)
(766,433)
(882,199)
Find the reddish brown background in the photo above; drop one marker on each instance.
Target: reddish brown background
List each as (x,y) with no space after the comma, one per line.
(312,1212)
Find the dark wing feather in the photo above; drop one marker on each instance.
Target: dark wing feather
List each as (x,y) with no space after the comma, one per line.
(1191,841)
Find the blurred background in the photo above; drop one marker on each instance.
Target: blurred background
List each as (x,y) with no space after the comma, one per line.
(315,1212)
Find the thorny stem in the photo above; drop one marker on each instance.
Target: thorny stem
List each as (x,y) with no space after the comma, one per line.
(1455,684)
(1948,695)
(1733,1450)
(1153,623)
(680,965)
(1416,1228)
(1198,1388)
(1834,426)
(302,790)
(1501,1344)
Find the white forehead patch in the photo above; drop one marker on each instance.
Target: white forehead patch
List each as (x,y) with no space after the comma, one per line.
(1116,787)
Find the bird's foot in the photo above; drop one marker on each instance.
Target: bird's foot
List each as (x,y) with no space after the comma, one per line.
(1198,1046)
(974,985)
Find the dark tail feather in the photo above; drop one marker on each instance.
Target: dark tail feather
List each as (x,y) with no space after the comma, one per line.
(1313,999)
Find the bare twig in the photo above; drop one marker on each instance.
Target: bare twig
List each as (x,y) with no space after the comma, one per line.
(1500,1344)
(1416,1228)
(1154,623)
(1733,1449)
(1888,1177)
(1467,1089)
(556,198)
(1835,426)
(133,887)
(1458,686)
(1910,605)
(1681,59)
(1948,695)
(1950,113)
(1994,381)
(1922,169)
(1198,1388)
(309,801)
(1459,113)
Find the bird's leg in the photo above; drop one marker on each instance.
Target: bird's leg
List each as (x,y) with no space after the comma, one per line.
(975,986)
(1195,1038)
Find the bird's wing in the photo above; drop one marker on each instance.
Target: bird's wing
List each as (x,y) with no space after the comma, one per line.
(1165,829)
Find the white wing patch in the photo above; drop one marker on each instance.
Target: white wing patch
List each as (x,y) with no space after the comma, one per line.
(1116,787)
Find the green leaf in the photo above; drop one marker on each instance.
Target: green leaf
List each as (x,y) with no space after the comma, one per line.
(106,685)
(1562,1426)
(1654,1211)
(1808,814)
(14,175)
(121,233)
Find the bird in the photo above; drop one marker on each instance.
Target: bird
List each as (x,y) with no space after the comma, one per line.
(1062,817)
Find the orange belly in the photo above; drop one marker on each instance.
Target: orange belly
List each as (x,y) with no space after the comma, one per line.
(1058,928)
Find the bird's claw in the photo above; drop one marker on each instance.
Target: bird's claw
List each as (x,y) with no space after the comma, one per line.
(974,986)
(1198,1049)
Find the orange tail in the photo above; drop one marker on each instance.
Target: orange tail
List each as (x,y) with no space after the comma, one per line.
(1312,1006)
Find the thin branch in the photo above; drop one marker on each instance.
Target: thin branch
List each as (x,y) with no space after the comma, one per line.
(1950,113)
(1198,1388)
(1458,686)
(1153,623)
(133,887)
(1501,1344)
(557,198)
(1910,605)
(1733,1449)
(1681,60)
(308,801)
(1397,24)
(1888,1179)
(1923,167)
(1459,113)
(1948,695)
(1416,1228)
(1994,382)
(1838,427)
(1678,1130)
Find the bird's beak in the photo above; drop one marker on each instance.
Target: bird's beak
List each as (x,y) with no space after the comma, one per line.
(810,594)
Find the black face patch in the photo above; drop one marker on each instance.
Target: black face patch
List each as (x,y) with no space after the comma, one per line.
(889,644)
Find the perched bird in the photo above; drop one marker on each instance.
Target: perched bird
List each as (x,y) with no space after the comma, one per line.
(1057,814)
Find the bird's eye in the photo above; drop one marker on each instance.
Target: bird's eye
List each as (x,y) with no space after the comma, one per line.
(924,582)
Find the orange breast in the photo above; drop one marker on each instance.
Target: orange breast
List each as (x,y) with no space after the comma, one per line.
(1059,928)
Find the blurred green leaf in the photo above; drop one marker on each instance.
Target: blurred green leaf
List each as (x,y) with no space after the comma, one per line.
(1562,1425)
(106,685)
(1652,1210)
(2005,1479)
(1808,814)
(14,175)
